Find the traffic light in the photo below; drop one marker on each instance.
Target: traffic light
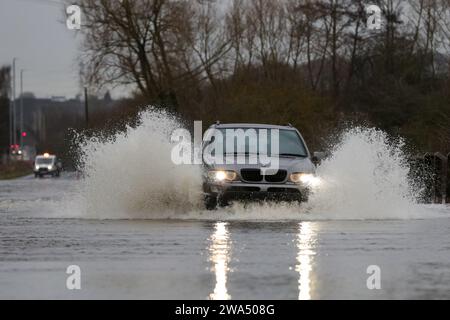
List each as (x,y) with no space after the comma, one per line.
(24,134)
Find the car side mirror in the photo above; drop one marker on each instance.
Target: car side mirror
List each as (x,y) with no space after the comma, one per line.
(318,156)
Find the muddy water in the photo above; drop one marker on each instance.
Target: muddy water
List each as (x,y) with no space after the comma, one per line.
(211,258)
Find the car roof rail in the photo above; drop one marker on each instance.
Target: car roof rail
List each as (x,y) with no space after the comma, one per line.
(217,122)
(289,125)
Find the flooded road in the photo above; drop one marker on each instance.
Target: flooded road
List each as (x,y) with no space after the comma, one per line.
(212,258)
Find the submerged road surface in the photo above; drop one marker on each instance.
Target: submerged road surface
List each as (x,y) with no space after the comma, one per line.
(210,259)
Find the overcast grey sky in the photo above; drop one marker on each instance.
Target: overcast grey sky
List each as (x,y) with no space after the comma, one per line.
(35,32)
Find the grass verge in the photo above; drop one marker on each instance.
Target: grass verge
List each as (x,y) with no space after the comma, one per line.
(15,170)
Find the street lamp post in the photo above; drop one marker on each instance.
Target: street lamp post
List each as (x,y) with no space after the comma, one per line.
(21,109)
(14,129)
(11,114)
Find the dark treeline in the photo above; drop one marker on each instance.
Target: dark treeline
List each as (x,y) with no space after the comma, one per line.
(314,64)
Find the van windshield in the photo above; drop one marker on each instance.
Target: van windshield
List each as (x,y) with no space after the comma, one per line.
(249,141)
(44,161)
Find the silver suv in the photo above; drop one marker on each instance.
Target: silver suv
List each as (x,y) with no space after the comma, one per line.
(290,181)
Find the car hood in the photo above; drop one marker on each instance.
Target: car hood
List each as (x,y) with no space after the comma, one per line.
(291,164)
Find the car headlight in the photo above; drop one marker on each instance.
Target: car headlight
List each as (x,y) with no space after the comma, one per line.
(222,175)
(305,178)
(50,167)
(36,167)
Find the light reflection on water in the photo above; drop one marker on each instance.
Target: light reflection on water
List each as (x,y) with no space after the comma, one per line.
(306,239)
(220,250)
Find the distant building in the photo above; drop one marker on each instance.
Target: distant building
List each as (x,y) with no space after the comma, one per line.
(47,123)
(58,98)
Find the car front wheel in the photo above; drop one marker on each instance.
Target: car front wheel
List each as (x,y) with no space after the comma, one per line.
(210,202)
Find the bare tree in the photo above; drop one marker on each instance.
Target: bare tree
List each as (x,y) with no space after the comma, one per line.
(145,43)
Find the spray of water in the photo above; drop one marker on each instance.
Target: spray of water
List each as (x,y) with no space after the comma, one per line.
(131,176)
(366,177)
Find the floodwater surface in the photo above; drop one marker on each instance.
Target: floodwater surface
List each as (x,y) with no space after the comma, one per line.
(213,258)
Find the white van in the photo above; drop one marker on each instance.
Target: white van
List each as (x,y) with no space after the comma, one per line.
(47,164)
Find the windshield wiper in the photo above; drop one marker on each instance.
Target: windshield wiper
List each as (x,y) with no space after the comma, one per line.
(257,154)
(293,155)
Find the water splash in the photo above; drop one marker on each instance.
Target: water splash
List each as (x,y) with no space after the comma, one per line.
(366,177)
(131,175)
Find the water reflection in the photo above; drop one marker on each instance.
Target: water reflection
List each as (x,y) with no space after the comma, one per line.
(219,250)
(306,239)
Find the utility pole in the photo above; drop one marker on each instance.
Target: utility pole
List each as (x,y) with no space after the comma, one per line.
(14,131)
(86,110)
(11,111)
(21,109)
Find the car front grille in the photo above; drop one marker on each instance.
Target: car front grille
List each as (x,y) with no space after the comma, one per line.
(278,177)
(251,175)
(254,175)
(244,189)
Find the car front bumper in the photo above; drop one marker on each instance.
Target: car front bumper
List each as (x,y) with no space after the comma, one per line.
(241,191)
(43,171)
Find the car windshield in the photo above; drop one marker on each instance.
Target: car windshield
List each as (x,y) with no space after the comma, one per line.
(248,141)
(44,161)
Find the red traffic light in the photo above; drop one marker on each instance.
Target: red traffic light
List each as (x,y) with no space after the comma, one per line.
(24,134)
